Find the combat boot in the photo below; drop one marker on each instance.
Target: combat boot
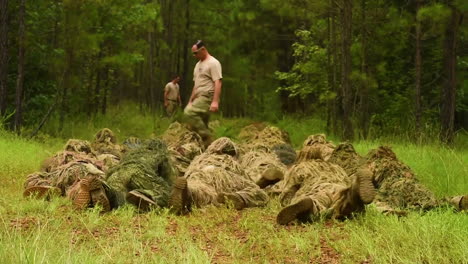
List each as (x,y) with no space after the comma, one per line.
(234,198)
(79,194)
(460,202)
(295,211)
(98,194)
(365,186)
(140,200)
(269,177)
(354,198)
(179,201)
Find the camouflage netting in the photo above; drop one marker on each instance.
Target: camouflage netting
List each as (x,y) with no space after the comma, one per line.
(256,162)
(345,156)
(311,177)
(63,177)
(397,185)
(320,141)
(146,170)
(105,142)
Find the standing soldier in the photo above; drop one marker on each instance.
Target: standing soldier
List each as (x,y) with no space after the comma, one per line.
(206,91)
(172,96)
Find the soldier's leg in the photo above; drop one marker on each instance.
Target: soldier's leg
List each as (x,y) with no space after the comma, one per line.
(355,197)
(200,193)
(250,196)
(197,115)
(308,207)
(270,176)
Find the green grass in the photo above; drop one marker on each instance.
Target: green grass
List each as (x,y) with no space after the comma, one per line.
(36,231)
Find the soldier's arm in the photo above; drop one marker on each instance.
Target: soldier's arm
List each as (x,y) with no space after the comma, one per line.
(217,92)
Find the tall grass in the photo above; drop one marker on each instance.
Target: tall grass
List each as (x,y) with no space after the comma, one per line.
(36,231)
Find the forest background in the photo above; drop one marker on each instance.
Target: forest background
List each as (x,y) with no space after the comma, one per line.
(366,68)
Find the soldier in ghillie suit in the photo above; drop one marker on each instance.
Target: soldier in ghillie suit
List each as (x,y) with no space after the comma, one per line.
(316,188)
(397,185)
(142,178)
(59,172)
(183,145)
(216,177)
(320,141)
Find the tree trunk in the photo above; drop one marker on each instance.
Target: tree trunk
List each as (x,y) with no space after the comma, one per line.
(151,72)
(447,114)
(364,109)
(3,54)
(20,79)
(186,87)
(329,66)
(335,69)
(105,92)
(346,15)
(417,77)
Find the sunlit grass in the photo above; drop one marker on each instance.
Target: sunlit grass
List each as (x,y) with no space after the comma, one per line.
(36,231)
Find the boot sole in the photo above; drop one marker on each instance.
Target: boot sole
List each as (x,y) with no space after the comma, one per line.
(291,212)
(83,197)
(367,190)
(98,194)
(179,196)
(139,200)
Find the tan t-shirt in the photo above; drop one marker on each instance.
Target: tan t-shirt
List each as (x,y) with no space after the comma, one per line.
(173,91)
(205,74)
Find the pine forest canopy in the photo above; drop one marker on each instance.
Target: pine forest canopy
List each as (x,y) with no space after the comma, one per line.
(366,67)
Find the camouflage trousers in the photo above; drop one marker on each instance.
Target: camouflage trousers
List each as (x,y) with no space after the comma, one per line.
(206,184)
(133,177)
(326,184)
(171,107)
(256,162)
(197,115)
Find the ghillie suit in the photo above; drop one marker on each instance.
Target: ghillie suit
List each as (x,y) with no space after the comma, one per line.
(105,142)
(131,143)
(248,133)
(256,163)
(143,177)
(74,150)
(216,177)
(61,179)
(78,146)
(320,141)
(173,133)
(316,188)
(266,138)
(347,158)
(183,145)
(397,185)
